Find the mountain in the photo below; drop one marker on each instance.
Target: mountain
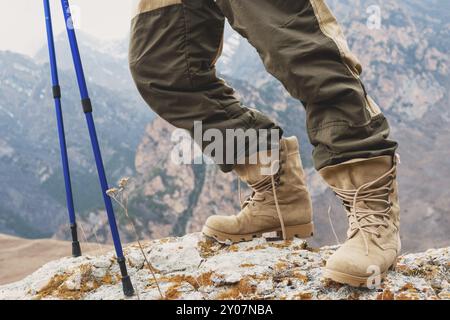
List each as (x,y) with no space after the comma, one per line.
(32,198)
(194,269)
(406,66)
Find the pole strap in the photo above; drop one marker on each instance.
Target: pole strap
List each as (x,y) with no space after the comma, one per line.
(87,105)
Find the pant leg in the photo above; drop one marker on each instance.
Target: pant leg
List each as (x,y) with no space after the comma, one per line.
(173,49)
(302,45)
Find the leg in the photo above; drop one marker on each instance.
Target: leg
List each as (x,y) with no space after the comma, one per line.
(302,45)
(173,50)
(174,46)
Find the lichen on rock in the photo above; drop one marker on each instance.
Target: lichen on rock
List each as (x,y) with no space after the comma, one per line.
(192,267)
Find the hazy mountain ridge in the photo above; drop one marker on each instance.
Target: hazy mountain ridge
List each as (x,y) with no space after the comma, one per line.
(32,197)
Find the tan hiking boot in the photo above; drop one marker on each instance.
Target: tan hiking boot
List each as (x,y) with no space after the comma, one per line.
(279,203)
(368,190)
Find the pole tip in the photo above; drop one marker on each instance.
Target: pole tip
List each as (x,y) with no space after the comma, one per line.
(128,289)
(76,249)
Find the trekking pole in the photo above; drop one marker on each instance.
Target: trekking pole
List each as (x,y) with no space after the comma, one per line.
(87,108)
(76,249)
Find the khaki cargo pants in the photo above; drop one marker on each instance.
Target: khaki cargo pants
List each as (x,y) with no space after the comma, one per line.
(175,44)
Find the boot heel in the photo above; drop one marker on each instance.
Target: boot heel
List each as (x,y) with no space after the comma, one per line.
(301,231)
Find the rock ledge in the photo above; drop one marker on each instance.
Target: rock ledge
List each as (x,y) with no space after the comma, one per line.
(192,267)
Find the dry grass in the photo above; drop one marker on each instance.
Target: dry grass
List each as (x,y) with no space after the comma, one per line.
(300,276)
(56,287)
(52,286)
(243,289)
(207,248)
(386,295)
(120,196)
(172,293)
(303,296)
(247,265)
(177,281)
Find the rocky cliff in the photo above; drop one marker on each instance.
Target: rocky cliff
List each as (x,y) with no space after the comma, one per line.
(192,267)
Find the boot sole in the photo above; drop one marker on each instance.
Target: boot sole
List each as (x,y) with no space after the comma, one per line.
(352,280)
(301,231)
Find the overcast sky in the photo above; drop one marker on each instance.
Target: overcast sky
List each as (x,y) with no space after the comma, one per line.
(22,23)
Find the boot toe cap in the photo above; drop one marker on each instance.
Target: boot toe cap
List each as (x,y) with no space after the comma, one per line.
(225,224)
(354,261)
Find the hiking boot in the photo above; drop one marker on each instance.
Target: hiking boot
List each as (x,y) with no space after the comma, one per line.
(368,190)
(279,202)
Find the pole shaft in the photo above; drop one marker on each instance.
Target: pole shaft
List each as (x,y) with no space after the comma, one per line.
(91,126)
(59,114)
(76,249)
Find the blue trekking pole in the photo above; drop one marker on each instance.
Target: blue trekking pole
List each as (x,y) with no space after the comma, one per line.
(87,108)
(76,249)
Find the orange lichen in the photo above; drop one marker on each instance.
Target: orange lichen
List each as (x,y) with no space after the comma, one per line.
(196,282)
(242,289)
(328,283)
(258,247)
(303,296)
(408,287)
(58,288)
(109,279)
(407,296)
(280,265)
(281,245)
(353,296)
(205,279)
(52,286)
(385,295)
(207,248)
(247,265)
(172,293)
(301,276)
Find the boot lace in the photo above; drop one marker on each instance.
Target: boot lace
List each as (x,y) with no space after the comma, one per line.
(368,220)
(266,184)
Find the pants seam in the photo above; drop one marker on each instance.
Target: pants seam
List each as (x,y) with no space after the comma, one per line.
(185,45)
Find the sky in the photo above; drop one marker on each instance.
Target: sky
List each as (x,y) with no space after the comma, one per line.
(22,23)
